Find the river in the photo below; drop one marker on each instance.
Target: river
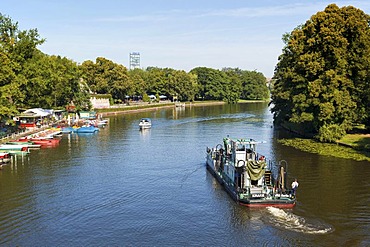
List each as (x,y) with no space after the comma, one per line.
(125,187)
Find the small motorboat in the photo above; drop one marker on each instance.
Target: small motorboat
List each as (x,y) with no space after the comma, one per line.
(145,123)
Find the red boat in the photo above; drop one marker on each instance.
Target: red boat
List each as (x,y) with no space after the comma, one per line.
(4,158)
(41,141)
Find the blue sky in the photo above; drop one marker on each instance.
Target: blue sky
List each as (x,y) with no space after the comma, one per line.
(179,34)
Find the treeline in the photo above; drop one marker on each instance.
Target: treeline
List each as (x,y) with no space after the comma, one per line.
(30,78)
(323,74)
(229,84)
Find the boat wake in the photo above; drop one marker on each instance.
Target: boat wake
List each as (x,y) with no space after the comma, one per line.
(296,223)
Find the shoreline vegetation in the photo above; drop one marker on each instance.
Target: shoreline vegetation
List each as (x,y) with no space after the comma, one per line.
(341,149)
(358,141)
(354,146)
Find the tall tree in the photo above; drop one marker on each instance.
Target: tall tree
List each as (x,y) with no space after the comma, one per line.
(16,48)
(106,77)
(323,64)
(156,80)
(210,82)
(137,79)
(232,85)
(254,86)
(7,90)
(52,82)
(181,84)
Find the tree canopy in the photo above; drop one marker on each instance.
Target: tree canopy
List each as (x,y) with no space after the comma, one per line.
(230,84)
(30,78)
(322,76)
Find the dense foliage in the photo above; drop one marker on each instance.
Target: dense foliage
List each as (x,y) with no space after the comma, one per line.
(322,77)
(230,84)
(30,78)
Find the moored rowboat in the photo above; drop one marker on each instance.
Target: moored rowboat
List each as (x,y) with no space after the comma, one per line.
(41,141)
(14,149)
(27,144)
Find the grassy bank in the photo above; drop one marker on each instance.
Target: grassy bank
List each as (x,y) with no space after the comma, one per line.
(327,149)
(357,141)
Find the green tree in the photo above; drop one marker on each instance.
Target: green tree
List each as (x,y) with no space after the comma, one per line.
(181,84)
(156,80)
(106,77)
(232,86)
(254,86)
(7,87)
(89,74)
(210,82)
(322,73)
(16,49)
(137,79)
(51,82)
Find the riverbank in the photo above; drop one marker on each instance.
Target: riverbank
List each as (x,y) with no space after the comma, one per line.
(153,107)
(139,107)
(358,141)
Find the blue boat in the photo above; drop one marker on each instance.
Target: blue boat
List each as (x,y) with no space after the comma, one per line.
(87,129)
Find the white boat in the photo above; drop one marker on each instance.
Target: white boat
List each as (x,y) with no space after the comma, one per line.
(145,123)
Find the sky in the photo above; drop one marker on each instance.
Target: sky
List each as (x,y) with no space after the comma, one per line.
(178,34)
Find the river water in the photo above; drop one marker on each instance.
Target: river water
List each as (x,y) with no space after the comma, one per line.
(125,187)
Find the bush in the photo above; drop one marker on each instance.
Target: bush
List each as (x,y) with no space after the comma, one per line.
(330,133)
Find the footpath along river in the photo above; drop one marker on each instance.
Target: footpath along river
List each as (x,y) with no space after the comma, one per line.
(125,187)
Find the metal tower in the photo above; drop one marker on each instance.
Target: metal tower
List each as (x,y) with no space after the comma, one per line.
(134,60)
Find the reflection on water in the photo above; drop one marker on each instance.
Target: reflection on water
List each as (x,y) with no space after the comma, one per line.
(151,187)
(145,134)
